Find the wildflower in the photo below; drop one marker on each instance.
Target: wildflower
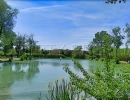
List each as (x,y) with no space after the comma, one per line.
(48,85)
(56,81)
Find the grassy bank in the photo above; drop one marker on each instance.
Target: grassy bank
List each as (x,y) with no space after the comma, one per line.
(7,59)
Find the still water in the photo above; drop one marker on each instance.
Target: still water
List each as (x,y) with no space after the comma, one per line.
(26,79)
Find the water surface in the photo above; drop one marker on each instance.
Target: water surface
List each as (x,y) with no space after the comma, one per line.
(24,80)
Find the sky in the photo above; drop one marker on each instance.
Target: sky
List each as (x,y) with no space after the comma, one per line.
(66,24)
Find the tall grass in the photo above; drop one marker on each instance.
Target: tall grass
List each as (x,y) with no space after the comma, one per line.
(62,90)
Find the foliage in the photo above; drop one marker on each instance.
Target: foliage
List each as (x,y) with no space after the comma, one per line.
(23,57)
(78,48)
(103,84)
(78,53)
(7,17)
(62,91)
(95,48)
(20,44)
(37,55)
(114,1)
(127,31)
(7,41)
(101,59)
(117,38)
(117,60)
(67,53)
(54,56)
(13,52)
(31,43)
(26,57)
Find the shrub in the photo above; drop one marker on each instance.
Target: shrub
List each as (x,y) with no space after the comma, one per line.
(104,84)
(21,58)
(117,60)
(96,58)
(101,59)
(24,57)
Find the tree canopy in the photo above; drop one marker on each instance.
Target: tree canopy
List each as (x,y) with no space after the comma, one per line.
(7,17)
(115,1)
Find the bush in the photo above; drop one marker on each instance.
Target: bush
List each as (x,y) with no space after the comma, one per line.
(24,57)
(96,58)
(21,58)
(117,60)
(92,57)
(101,59)
(104,84)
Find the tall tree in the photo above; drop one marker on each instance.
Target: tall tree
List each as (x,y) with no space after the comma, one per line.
(98,40)
(90,48)
(127,31)
(78,48)
(77,52)
(117,38)
(31,43)
(7,41)
(20,44)
(7,17)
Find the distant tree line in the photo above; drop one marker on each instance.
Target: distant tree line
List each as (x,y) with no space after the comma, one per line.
(23,45)
(116,41)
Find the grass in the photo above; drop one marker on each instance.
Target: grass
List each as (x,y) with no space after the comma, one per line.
(6,59)
(62,90)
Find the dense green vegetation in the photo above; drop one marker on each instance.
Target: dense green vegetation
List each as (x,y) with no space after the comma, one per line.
(104,84)
(62,91)
(116,41)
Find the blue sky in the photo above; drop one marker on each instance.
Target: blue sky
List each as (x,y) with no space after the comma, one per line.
(65,24)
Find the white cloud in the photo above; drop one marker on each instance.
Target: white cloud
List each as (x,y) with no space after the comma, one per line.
(70,23)
(43,8)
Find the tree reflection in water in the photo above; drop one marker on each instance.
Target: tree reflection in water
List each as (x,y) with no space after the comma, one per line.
(15,71)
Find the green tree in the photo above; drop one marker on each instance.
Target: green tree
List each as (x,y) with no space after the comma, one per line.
(90,49)
(31,43)
(77,52)
(7,41)
(105,83)
(117,38)
(127,31)
(20,44)
(7,17)
(98,40)
(67,53)
(79,48)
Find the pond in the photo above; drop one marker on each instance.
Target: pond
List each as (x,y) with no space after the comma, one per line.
(24,80)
